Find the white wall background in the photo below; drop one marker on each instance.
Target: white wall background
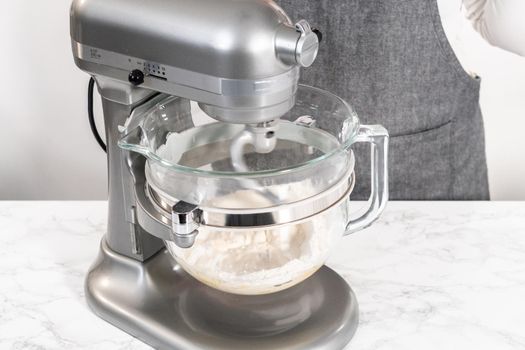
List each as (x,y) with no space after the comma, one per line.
(47,150)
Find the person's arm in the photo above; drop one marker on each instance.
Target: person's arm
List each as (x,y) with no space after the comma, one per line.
(500,22)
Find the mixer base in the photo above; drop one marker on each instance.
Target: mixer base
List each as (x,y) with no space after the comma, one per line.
(159,303)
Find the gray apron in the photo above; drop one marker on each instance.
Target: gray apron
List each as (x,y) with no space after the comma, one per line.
(392,62)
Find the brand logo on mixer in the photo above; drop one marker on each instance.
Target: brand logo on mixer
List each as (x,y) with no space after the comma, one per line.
(93,53)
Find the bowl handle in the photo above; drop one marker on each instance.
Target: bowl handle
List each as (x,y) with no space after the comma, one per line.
(378,138)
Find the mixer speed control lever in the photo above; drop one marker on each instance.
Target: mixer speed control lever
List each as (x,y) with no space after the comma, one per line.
(185,221)
(136,77)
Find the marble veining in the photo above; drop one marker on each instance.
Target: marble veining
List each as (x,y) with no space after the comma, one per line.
(428,275)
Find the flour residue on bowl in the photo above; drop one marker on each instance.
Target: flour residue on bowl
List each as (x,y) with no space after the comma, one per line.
(254,261)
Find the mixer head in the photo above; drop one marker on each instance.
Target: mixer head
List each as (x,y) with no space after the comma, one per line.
(239,59)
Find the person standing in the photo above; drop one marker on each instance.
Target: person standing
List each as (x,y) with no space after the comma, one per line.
(392,61)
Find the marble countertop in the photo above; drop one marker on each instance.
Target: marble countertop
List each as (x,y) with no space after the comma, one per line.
(428,275)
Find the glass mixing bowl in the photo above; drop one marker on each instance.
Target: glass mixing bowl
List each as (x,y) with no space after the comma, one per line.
(272,223)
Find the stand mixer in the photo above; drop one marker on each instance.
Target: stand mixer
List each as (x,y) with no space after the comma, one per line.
(283,146)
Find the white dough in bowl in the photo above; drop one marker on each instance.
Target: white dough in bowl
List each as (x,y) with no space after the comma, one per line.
(254,261)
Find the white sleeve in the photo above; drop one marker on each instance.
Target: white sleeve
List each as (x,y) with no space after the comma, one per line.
(500,22)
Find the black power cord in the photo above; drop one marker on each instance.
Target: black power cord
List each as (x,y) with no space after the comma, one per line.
(91,115)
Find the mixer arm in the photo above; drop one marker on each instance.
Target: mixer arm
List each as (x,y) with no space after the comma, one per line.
(378,138)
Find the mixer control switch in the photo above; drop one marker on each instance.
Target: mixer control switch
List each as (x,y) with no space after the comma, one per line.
(136,77)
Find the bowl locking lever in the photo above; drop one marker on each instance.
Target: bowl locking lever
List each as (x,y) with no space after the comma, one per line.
(185,221)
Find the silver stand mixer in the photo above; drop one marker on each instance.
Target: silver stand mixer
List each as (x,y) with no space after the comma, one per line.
(239,60)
